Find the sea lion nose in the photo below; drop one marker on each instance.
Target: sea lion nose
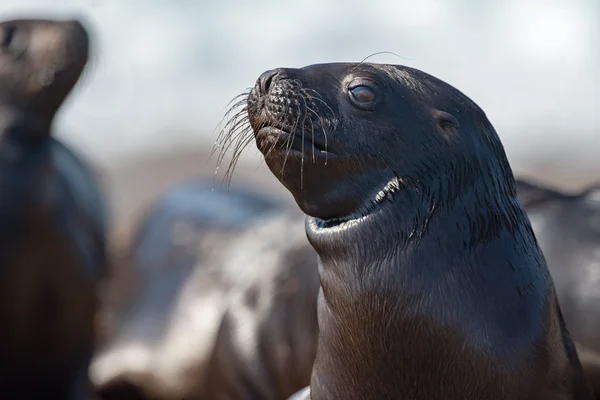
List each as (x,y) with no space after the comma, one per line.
(267,78)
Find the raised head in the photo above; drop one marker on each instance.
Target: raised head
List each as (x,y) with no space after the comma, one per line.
(344,138)
(40,62)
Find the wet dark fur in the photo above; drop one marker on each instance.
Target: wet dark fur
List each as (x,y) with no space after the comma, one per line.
(274,298)
(52,218)
(567,227)
(432,283)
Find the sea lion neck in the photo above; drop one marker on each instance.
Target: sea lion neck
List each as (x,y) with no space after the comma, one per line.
(336,242)
(473,214)
(397,231)
(388,296)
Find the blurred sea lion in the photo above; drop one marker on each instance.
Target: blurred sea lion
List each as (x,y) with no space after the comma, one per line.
(53,219)
(567,227)
(224,302)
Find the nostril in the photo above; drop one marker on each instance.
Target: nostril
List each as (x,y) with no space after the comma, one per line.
(266,79)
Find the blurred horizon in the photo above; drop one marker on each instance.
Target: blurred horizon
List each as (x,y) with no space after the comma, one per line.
(163,71)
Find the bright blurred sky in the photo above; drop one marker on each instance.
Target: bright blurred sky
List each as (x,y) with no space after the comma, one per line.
(165,69)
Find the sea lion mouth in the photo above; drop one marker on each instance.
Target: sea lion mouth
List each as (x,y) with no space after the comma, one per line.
(372,206)
(268,137)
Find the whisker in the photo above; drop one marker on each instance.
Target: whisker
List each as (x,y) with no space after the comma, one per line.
(304,96)
(240,146)
(228,133)
(236,135)
(382,52)
(231,121)
(233,105)
(290,140)
(280,119)
(311,122)
(234,132)
(321,120)
(235,158)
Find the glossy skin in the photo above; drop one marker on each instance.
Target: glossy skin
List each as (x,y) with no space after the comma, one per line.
(267,339)
(200,207)
(52,218)
(432,283)
(226,303)
(567,227)
(166,255)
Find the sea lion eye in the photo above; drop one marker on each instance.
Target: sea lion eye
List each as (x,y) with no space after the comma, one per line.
(446,120)
(362,94)
(8,35)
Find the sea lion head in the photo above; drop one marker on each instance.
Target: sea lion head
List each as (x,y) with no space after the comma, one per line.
(344,138)
(40,62)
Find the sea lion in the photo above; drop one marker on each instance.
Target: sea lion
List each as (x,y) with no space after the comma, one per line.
(567,227)
(53,219)
(222,289)
(432,283)
(267,339)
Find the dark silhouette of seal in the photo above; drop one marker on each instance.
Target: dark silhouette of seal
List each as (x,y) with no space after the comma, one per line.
(52,218)
(567,227)
(432,283)
(225,307)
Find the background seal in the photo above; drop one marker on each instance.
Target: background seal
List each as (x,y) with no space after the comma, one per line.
(223,271)
(52,218)
(567,227)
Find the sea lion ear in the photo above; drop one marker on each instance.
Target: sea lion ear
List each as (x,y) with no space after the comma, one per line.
(529,193)
(446,124)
